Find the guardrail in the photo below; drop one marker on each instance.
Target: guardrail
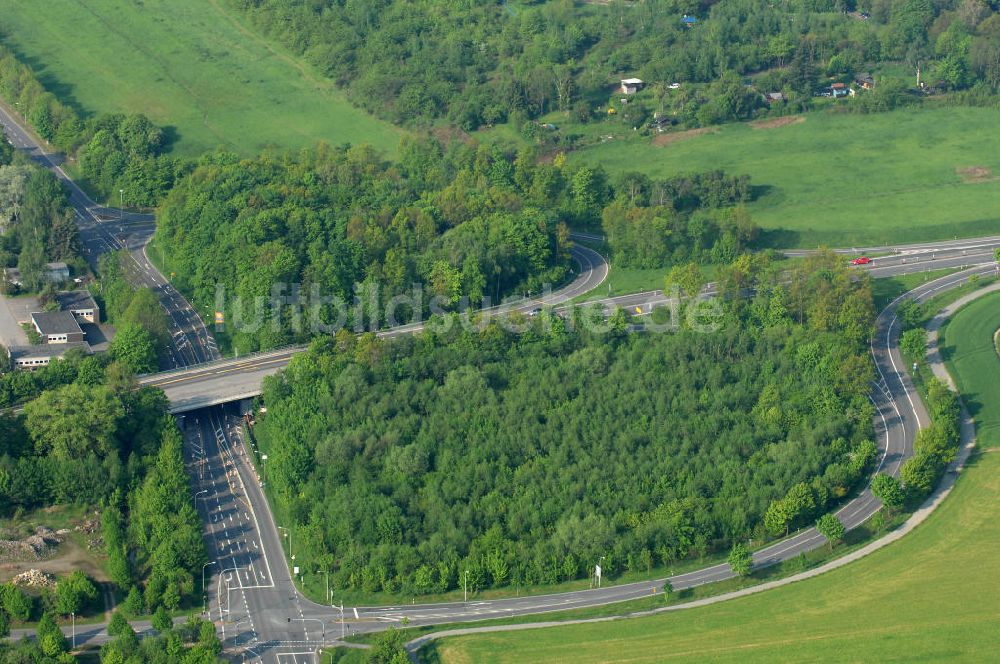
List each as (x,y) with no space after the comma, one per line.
(226,361)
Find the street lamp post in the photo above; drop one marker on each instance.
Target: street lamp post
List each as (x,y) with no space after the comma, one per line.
(73,618)
(327,573)
(288,534)
(465,585)
(203,593)
(229,588)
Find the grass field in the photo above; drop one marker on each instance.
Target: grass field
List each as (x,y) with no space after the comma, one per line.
(189,65)
(887,289)
(967,346)
(845,180)
(924,598)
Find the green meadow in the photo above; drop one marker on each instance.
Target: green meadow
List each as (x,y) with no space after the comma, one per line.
(843,180)
(967,346)
(190,66)
(928,598)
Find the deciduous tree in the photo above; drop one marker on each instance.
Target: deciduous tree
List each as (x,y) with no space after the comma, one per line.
(740,559)
(830,527)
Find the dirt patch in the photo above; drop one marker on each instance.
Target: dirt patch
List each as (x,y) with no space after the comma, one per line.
(668,138)
(975,174)
(774,123)
(40,544)
(71,556)
(447,135)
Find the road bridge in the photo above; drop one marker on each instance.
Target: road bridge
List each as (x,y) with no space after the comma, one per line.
(223,381)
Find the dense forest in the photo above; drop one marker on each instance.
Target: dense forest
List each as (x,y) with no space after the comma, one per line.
(524,458)
(659,223)
(115,151)
(468,222)
(99,441)
(487,62)
(36,222)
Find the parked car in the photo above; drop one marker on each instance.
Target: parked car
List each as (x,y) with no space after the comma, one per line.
(861,260)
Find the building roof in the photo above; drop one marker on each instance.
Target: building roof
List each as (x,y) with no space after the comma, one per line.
(56,322)
(631,81)
(72,300)
(56,266)
(689,19)
(46,350)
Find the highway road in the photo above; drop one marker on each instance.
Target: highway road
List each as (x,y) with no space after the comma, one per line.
(269,621)
(899,415)
(252,598)
(222,381)
(103,230)
(218,382)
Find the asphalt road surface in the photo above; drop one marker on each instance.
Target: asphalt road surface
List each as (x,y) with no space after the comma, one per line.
(267,620)
(899,415)
(251,596)
(103,230)
(223,381)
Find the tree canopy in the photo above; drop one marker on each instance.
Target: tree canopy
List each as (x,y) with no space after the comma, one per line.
(524,458)
(96,443)
(482,63)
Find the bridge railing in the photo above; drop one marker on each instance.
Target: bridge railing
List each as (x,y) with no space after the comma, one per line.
(221,362)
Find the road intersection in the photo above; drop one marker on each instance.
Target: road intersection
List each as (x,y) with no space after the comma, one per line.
(252,597)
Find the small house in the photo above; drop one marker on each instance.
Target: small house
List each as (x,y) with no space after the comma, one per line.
(688,20)
(57,327)
(56,272)
(775,97)
(80,304)
(838,90)
(29,358)
(865,81)
(631,85)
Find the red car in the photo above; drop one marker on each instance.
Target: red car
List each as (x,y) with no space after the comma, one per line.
(861,260)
